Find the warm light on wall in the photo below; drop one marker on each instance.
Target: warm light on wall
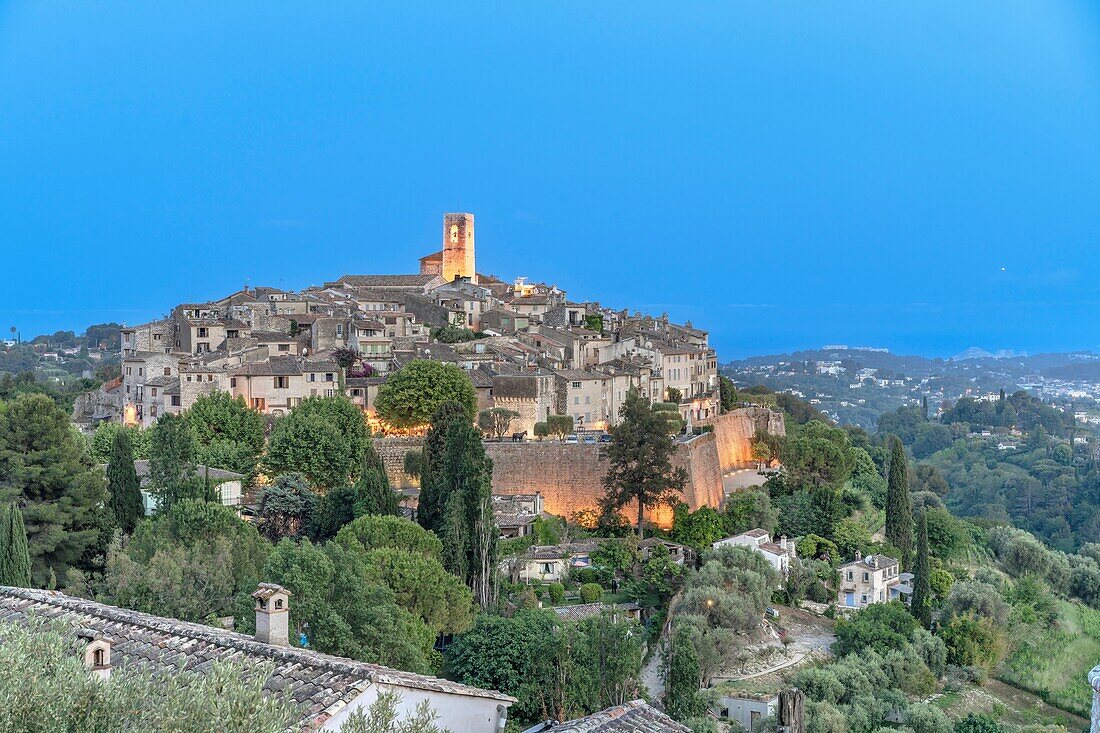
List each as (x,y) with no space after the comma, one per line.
(129,415)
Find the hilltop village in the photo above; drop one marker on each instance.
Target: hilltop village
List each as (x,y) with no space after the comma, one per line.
(525,345)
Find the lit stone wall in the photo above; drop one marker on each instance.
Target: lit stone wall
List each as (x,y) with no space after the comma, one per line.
(734,430)
(570,476)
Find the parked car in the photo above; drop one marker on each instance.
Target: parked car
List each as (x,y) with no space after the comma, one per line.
(605,438)
(772,612)
(590,440)
(571,439)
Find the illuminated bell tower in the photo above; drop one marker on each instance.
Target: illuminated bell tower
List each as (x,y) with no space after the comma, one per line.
(458,247)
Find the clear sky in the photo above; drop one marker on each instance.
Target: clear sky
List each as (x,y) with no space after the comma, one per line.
(916,174)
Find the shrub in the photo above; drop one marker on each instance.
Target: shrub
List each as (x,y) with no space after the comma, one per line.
(591,592)
(557,592)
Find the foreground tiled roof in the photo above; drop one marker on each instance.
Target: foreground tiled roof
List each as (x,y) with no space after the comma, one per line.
(632,717)
(322,684)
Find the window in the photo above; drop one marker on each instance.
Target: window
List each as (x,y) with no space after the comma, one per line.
(330,393)
(576,400)
(232,381)
(576,385)
(284,347)
(282,382)
(866,577)
(259,403)
(313,377)
(99,659)
(152,391)
(863,599)
(202,332)
(547,568)
(339,329)
(128,370)
(140,371)
(329,376)
(175,400)
(588,399)
(850,575)
(167,371)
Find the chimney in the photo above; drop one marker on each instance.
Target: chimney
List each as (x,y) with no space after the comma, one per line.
(783,542)
(97,653)
(272,614)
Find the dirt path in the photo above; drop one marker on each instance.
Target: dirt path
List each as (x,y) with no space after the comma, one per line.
(652,679)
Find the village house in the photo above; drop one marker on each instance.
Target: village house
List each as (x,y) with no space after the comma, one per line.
(551,563)
(872,579)
(228,484)
(778,554)
(325,689)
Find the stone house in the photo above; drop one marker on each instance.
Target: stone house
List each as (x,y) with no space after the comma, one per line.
(326,689)
(551,563)
(504,321)
(464,301)
(153,336)
(145,375)
(872,579)
(531,394)
(279,384)
(583,395)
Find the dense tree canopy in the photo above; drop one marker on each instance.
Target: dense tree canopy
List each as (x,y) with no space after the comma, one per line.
(411,396)
(230,434)
(323,438)
(44,468)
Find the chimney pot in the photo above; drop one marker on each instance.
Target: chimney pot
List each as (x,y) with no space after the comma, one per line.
(272,614)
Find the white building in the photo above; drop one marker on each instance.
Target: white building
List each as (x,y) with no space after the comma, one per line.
(779,554)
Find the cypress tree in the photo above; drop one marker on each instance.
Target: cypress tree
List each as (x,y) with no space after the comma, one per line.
(467,528)
(5,542)
(373,494)
(921,602)
(124,488)
(899,507)
(433,484)
(18,560)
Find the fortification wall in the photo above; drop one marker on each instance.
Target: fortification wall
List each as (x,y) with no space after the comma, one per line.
(734,430)
(392,452)
(570,476)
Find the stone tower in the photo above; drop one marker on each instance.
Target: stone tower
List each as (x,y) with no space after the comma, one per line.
(458,247)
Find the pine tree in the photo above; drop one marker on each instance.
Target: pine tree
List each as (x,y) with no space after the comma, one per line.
(17,560)
(123,487)
(433,485)
(921,602)
(641,469)
(46,469)
(899,508)
(467,528)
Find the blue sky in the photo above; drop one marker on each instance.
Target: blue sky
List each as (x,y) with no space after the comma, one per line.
(920,175)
